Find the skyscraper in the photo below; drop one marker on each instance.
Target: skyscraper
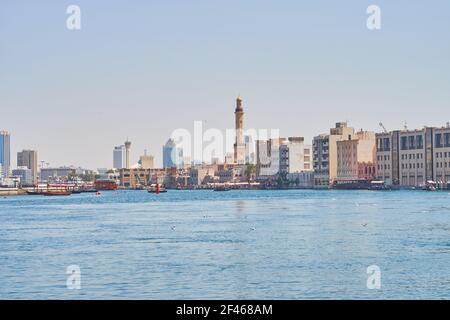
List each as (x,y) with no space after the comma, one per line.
(119,157)
(5,153)
(127,154)
(28,159)
(239,145)
(172,155)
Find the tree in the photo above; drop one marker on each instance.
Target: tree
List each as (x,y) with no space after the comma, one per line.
(250,171)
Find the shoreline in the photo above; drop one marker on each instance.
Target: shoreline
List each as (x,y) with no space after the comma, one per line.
(15,192)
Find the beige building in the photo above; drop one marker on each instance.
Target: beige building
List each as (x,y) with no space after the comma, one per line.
(146,162)
(325,154)
(356,157)
(198,174)
(405,158)
(441,163)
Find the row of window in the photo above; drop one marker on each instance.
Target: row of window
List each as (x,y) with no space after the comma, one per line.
(412,166)
(411,142)
(385,158)
(412,156)
(384,144)
(442,164)
(442,154)
(385,167)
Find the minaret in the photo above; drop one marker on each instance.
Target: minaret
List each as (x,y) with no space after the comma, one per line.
(239,146)
(127,154)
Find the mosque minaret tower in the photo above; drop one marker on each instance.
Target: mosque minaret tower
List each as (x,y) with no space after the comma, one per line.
(239,146)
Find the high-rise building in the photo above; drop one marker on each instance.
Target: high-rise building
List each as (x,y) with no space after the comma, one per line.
(239,145)
(119,157)
(5,152)
(325,154)
(29,159)
(127,154)
(172,155)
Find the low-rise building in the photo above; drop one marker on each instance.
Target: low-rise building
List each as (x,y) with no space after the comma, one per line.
(199,174)
(441,161)
(26,176)
(325,154)
(56,174)
(406,157)
(356,157)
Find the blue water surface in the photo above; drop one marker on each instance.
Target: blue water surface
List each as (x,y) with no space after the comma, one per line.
(294,244)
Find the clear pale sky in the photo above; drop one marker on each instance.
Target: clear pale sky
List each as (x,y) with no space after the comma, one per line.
(141,69)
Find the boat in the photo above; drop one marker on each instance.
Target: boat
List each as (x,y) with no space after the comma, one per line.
(378,185)
(221,188)
(352,185)
(105,185)
(35,193)
(57,193)
(430,186)
(156,189)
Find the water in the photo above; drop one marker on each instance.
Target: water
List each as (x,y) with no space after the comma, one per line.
(226,245)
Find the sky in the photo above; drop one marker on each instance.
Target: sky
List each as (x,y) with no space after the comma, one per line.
(141,69)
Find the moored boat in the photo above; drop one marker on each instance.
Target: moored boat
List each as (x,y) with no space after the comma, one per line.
(105,185)
(430,186)
(352,185)
(57,193)
(378,185)
(156,189)
(221,188)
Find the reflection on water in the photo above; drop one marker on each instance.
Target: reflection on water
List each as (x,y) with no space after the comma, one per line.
(236,244)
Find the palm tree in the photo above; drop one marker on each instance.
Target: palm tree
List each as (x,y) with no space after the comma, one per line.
(250,170)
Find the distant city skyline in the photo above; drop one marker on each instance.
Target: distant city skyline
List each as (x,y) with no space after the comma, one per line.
(142,70)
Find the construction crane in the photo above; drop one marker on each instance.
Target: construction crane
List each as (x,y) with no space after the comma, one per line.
(383,127)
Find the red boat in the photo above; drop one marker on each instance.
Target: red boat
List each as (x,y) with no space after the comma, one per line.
(104,185)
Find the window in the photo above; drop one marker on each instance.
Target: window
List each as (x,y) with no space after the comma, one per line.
(411,141)
(447,139)
(404,143)
(419,142)
(438,139)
